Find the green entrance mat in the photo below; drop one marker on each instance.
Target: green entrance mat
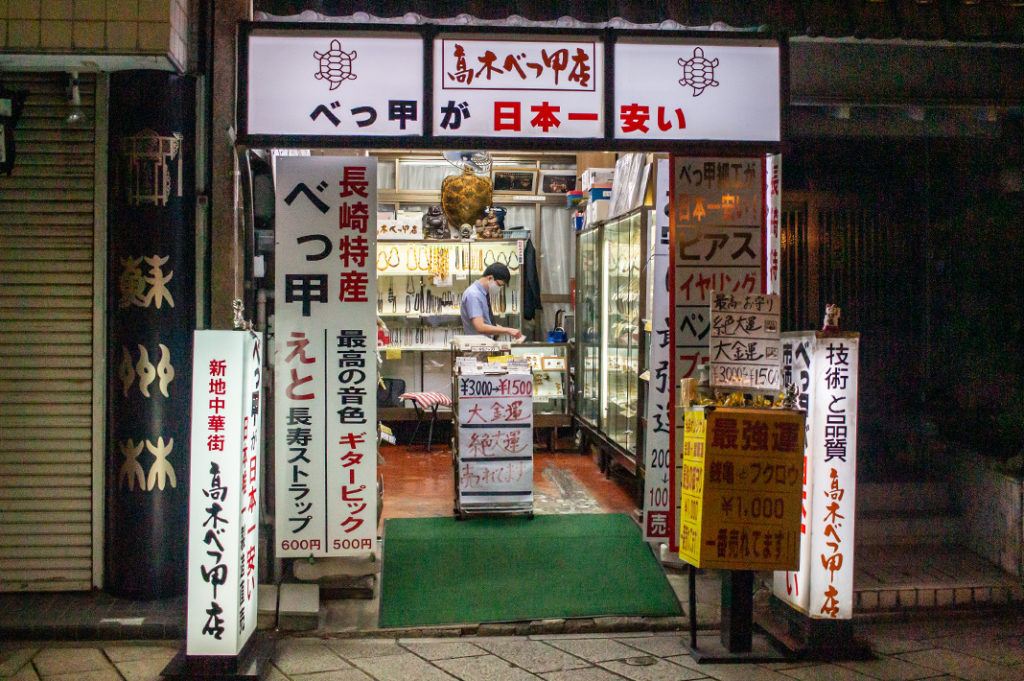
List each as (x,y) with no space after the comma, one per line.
(500,569)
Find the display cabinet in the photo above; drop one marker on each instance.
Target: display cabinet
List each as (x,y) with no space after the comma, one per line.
(550,364)
(588,327)
(609,356)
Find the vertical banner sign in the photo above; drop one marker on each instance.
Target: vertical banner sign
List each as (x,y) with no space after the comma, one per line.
(334,84)
(325,369)
(745,352)
(659,523)
(773,213)
(824,370)
(495,456)
(716,207)
(224,509)
(797,349)
(740,488)
(150,317)
(552,88)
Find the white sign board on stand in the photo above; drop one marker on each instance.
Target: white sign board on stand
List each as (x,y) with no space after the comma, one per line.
(325,367)
(823,368)
(224,484)
(495,441)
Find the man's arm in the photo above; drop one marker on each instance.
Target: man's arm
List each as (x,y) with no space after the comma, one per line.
(482,327)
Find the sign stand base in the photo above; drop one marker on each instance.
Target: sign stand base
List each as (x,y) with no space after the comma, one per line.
(248,665)
(811,638)
(736,642)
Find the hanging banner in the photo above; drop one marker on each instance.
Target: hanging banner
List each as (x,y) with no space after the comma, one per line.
(658,523)
(823,367)
(325,368)
(745,352)
(332,83)
(697,90)
(551,87)
(224,503)
(495,443)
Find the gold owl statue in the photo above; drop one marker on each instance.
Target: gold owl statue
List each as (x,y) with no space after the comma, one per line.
(464,197)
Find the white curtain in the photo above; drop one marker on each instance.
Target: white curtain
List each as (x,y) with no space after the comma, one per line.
(556,259)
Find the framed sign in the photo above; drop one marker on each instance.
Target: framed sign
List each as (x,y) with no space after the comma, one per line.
(514,180)
(557,182)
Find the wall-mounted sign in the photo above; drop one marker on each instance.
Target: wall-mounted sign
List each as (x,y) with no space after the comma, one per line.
(332,84)
(823,368)
(325,369)
(372,82)
(697,90)
(740,488)
(224,501)
(745,352)
(518,88)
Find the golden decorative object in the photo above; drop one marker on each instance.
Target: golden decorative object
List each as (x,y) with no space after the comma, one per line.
(464,197)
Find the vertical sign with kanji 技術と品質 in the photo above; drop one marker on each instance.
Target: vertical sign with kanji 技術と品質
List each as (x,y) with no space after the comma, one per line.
(822,367)
(325,370)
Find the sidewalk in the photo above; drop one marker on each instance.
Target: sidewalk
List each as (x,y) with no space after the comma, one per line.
(945,647)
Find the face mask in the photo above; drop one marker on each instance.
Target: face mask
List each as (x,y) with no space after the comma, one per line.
(493,290)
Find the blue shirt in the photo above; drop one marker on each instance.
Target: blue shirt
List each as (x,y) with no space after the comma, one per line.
(474,304)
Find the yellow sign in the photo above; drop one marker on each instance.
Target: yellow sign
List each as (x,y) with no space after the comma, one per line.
(740,485)
(392,353)
(499,359)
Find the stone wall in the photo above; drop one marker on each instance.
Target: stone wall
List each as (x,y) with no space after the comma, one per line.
(990,507)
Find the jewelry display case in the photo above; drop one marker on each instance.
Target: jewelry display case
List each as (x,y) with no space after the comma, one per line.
(610,279)
(550,364)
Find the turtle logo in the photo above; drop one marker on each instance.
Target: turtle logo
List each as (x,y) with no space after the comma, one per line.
(335,65)
(698,72)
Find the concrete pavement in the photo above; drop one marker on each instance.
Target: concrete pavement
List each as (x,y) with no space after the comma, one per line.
(946,645)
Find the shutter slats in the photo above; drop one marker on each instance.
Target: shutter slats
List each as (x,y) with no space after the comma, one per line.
(46,337)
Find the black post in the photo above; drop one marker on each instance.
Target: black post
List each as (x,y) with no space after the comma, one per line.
(693,607)
(737,610)
(150,319)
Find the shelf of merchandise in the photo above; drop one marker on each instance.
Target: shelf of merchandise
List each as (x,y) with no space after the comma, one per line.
(608,333)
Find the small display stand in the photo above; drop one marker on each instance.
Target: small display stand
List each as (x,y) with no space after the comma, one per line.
(492,452)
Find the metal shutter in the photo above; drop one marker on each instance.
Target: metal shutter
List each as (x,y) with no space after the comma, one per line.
(47,329)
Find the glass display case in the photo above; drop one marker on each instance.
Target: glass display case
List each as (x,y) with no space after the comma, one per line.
(610,282)
(588,326)
(620,329)
(550,364)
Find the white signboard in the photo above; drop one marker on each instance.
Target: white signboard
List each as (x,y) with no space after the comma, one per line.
(495,453)
(658,491)
(717,226)
(325,368)
(223,546)
(332,84)
(700,90)
(518,88)
(824,367)
(745,351)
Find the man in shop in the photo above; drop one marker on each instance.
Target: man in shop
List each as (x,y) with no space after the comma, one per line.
(476,303)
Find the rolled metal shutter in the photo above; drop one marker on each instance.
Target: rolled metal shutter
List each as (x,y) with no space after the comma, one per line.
(47,228)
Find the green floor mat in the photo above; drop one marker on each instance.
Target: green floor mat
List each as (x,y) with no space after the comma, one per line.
(447,571)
